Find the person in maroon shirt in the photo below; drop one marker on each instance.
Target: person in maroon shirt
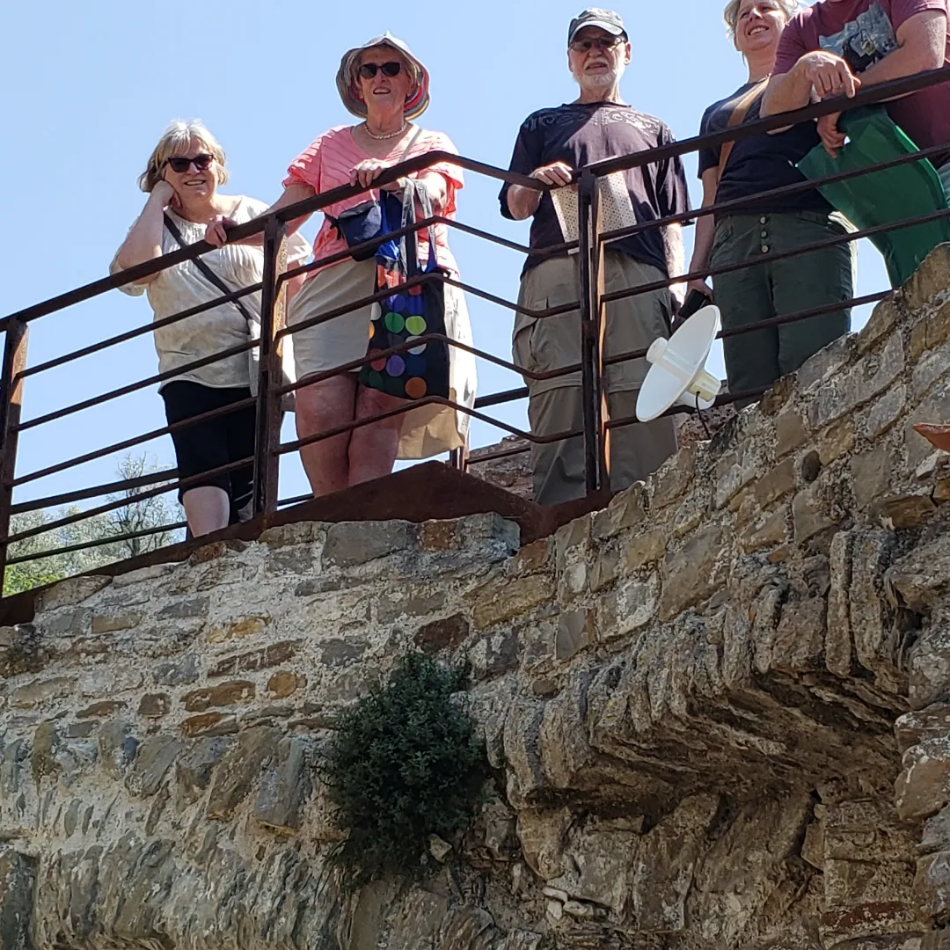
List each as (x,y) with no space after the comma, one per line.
(551,145)
(836,46)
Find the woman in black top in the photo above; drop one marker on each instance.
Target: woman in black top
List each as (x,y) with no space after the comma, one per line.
(762,228)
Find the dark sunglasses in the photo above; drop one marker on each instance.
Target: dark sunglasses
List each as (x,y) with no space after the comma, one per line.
(585,46)
(201,162)
(369,70)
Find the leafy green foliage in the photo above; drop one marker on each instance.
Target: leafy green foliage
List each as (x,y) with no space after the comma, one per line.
(137,515)
(404,764)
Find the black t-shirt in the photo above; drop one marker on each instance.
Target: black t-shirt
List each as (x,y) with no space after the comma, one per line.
(580,134)
(760,162)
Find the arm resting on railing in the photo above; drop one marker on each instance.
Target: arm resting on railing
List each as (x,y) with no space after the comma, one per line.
(144,240)
(523,201)
(216,234)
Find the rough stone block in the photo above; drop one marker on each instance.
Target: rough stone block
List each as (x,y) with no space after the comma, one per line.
(226,694)
(735,470)
(631,606)
(240,629)
(211,723)
(181,672)
(768,532)
(351,543)
(800,639)
(811,512)
(299,532)
(269,656)
(790,431)
(883,319)
(17,879)
(932,366)
(826,362)
(410,602)
(575,631)
(882,414)
(194,768)
(872,374)
(674,476)
(929,281)
(838,650)
(696,571)
(905,510)
(640,549)
(155,757)
(446,634)
(775,483)
(923,787)
(101,710)
(285,786)
(21,650)
(627,509)
(46,742)
(240,770)
(155,705)
(114,620)
(503,598)
(67,593)
(871,474)
(184,608)
(38,692)
(285,683)
(835,441)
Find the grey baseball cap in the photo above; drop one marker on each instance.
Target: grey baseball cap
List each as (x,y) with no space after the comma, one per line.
(607,20)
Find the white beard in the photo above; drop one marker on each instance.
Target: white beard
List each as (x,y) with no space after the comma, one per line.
(600,80)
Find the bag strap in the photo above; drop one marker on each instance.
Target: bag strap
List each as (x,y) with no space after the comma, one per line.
(738,115)
(208,273)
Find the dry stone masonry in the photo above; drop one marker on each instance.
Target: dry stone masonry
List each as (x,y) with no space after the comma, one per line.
(717,712)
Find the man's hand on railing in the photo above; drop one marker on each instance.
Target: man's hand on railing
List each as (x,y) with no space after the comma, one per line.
(523,202)
(831,137)
(828,74)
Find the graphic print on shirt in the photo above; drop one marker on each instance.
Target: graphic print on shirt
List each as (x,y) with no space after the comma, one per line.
(864,41)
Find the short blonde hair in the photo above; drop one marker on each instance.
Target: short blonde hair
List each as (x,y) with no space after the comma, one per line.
(178,136)
(731,14)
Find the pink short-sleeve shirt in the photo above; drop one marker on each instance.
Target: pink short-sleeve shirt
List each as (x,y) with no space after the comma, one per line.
(326,164)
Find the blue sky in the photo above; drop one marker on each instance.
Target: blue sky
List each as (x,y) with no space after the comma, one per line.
(89,88)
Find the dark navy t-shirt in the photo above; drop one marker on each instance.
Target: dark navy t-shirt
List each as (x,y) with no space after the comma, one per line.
(760,162)
(580,134)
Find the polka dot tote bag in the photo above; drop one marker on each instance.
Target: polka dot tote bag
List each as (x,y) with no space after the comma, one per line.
(407,329)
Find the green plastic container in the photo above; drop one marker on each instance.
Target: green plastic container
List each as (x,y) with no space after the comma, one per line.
(886,196)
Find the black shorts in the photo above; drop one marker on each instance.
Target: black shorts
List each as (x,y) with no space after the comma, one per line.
(208,445)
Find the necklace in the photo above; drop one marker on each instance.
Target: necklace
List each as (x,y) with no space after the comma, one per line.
(388,135)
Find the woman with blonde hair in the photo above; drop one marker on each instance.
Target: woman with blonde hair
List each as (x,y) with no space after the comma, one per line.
(386,87)
(759,230)
(181,179)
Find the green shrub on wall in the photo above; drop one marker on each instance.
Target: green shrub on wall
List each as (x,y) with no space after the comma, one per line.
(403,764)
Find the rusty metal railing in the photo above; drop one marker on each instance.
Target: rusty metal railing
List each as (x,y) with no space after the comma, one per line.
(268,447)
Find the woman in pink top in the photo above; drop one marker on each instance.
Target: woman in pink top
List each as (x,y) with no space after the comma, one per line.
(386,87)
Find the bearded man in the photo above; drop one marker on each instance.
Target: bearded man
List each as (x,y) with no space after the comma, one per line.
(552,144)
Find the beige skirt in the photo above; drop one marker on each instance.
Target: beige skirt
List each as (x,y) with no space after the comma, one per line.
(426,431)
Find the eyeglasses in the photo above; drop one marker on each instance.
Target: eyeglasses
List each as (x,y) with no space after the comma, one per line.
(369,70)
(585,46)
(201,162)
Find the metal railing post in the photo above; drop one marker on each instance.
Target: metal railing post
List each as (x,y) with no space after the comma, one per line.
(11,402)
(591,273)
(267,440)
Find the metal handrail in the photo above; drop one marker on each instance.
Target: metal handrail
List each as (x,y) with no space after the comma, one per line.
(271,226)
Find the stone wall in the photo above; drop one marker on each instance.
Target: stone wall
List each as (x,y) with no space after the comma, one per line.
(717,712)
